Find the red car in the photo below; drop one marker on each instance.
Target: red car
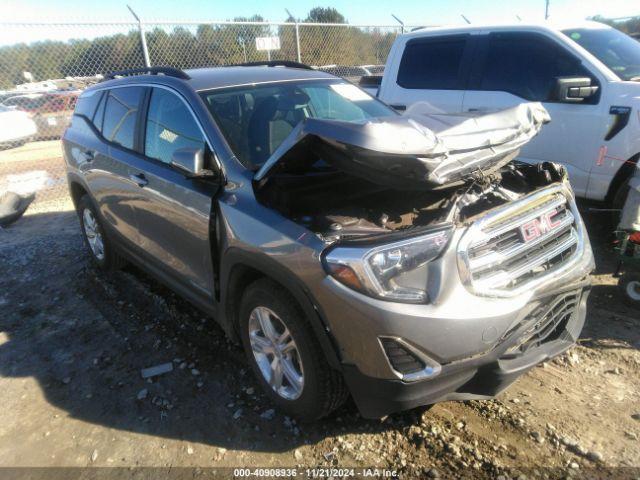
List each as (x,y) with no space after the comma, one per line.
(50,111)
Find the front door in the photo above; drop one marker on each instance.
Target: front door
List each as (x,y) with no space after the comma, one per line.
(516,67)
(173,211)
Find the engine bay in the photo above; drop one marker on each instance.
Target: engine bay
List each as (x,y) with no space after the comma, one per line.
(338,206)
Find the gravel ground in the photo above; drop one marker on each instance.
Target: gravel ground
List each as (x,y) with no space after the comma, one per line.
(73,341)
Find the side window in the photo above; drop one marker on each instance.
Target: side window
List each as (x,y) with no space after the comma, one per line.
(120,115)
(99,115)
(87,103)
(527,65)
(432,64)
(170,126)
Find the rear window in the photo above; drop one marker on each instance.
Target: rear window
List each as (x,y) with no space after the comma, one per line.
(432,64)
(121,111)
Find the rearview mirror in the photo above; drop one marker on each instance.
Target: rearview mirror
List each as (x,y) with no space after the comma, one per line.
(189,160)
(574,89)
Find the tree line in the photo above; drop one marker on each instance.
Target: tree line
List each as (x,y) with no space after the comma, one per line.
(199,46)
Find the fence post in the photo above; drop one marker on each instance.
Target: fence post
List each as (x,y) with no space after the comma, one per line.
(143,38)
(298,42)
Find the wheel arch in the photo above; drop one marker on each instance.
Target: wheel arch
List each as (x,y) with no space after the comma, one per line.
(240,269)
(77,191)
(623,174)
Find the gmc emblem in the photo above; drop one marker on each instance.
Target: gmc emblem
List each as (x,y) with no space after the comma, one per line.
(539,226)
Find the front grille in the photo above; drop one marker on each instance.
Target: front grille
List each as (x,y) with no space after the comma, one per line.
(548,323)
(508,250)
(401,359)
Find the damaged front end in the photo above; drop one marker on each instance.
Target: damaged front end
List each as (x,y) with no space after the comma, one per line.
(344,179)
(386,215)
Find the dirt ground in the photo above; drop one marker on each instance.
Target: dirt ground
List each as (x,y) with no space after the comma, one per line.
(73,341)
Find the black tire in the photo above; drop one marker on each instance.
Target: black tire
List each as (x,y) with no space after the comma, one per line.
(110,260)
(323,390)
(617,203)
(629,285)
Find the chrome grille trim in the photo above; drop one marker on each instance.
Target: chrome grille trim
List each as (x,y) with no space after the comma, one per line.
(493,258)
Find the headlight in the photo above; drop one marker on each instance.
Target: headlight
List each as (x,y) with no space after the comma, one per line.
(395,271)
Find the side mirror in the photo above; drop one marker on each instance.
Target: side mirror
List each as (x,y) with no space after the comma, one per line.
(189,160)
(574,89)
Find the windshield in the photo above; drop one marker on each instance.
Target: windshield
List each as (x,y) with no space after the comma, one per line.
(255,120)
(618,51)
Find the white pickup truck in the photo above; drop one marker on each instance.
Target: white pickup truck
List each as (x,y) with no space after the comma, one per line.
(586,75)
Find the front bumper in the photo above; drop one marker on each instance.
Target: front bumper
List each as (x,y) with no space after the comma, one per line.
(474,340)
(480,377)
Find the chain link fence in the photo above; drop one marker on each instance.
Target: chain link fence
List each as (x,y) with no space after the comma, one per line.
(45,66)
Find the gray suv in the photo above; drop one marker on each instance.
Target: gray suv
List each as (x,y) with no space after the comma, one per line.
(351,250)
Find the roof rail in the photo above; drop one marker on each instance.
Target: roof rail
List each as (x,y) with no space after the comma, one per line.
(168,71)
(275,63)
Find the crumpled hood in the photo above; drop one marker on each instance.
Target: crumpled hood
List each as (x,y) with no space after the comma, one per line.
(410,151)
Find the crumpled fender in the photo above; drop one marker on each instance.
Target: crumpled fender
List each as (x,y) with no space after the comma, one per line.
(410,151)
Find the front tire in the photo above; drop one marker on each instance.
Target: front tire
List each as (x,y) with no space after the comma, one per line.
(284,354)
(101,249)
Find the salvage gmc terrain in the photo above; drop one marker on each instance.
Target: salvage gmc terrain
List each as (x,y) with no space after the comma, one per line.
(351,250)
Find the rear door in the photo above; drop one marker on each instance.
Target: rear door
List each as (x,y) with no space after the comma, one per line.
(174,211)
(516,67)
(431,75)
(109,165)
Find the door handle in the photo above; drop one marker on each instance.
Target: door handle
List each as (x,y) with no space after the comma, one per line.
(398,107)
(478,109)
(88,155)
(139,179)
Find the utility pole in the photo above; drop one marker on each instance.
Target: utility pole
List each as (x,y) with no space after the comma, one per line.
(143,39)
(297,34)
(400,22)
(546,9)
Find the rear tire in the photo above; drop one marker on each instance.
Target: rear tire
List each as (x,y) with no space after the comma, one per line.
(316,389)
(102,251)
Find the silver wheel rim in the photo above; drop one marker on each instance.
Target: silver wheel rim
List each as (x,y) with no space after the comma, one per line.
(633,290)
(276,353)
(93,234)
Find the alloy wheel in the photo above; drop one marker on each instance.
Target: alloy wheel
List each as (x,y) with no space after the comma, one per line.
(276,353)
(93,234)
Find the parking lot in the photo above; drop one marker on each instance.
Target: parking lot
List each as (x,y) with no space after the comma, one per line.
(73,341)
(35,167)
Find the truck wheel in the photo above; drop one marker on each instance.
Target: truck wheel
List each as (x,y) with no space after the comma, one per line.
(284,354)
(102,251)
(629,285)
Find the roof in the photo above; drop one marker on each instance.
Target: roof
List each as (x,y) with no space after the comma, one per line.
(475,27)
(220,77)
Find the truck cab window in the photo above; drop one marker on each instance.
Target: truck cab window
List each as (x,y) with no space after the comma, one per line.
(527,65)
(432,64)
